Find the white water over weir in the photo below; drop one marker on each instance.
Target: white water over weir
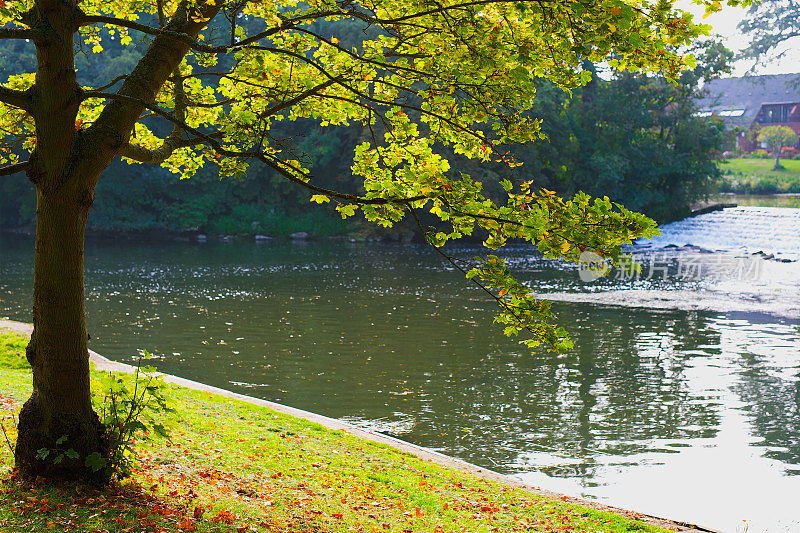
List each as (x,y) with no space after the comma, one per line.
(772,230)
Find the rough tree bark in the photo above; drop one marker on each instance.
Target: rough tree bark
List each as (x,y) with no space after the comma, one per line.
(60,405)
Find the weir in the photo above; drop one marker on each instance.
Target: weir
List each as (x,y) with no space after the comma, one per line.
(772,230)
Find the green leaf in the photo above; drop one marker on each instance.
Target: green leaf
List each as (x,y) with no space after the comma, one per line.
(95,461)
(346,210)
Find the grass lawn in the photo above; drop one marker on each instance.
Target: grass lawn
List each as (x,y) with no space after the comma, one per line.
(757,176)
(232,466)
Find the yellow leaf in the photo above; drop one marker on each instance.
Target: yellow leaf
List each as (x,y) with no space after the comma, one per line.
(97,49)
(334,40)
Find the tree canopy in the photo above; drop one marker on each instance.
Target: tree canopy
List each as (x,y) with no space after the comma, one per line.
(633,138)
(209,82)
(775,138)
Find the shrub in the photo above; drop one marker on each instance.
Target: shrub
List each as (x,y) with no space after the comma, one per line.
(788,152)
(766,186)
(794,186)
(724,185)
(130,408)
(760,154)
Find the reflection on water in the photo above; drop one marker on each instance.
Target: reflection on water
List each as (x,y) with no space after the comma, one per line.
(694,415)
(746,468)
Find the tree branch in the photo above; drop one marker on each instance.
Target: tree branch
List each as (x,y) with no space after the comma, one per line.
(209,105)
(13,169)
(17,33)
(192,42)
(88,20)
(299,178)
(160,62)
(160,154)
(453,261)
(340,81)
(15,98)
(112,82)
(181,100)
(300,97)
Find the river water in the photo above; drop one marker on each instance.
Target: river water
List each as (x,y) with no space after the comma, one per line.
(680,399)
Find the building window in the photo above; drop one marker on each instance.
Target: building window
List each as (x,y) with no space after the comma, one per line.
(776,113)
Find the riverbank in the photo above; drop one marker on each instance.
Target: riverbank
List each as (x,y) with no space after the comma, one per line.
(758,176)
(360,234)
(758,200)
(230,464)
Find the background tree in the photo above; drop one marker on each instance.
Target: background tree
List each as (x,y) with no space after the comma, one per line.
(769,24)
(214,78)
(633,137)
(774,138)
(661,179)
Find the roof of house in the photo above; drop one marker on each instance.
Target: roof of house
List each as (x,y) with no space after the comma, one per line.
(738,100)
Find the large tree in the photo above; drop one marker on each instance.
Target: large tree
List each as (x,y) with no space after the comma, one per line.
(218,76)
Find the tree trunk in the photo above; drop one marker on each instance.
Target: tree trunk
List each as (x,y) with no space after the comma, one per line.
(777,161)
(58,420)
(58,416)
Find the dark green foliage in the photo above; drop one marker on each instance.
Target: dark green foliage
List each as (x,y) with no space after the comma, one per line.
(632,139)
(766,186)
(17,201)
